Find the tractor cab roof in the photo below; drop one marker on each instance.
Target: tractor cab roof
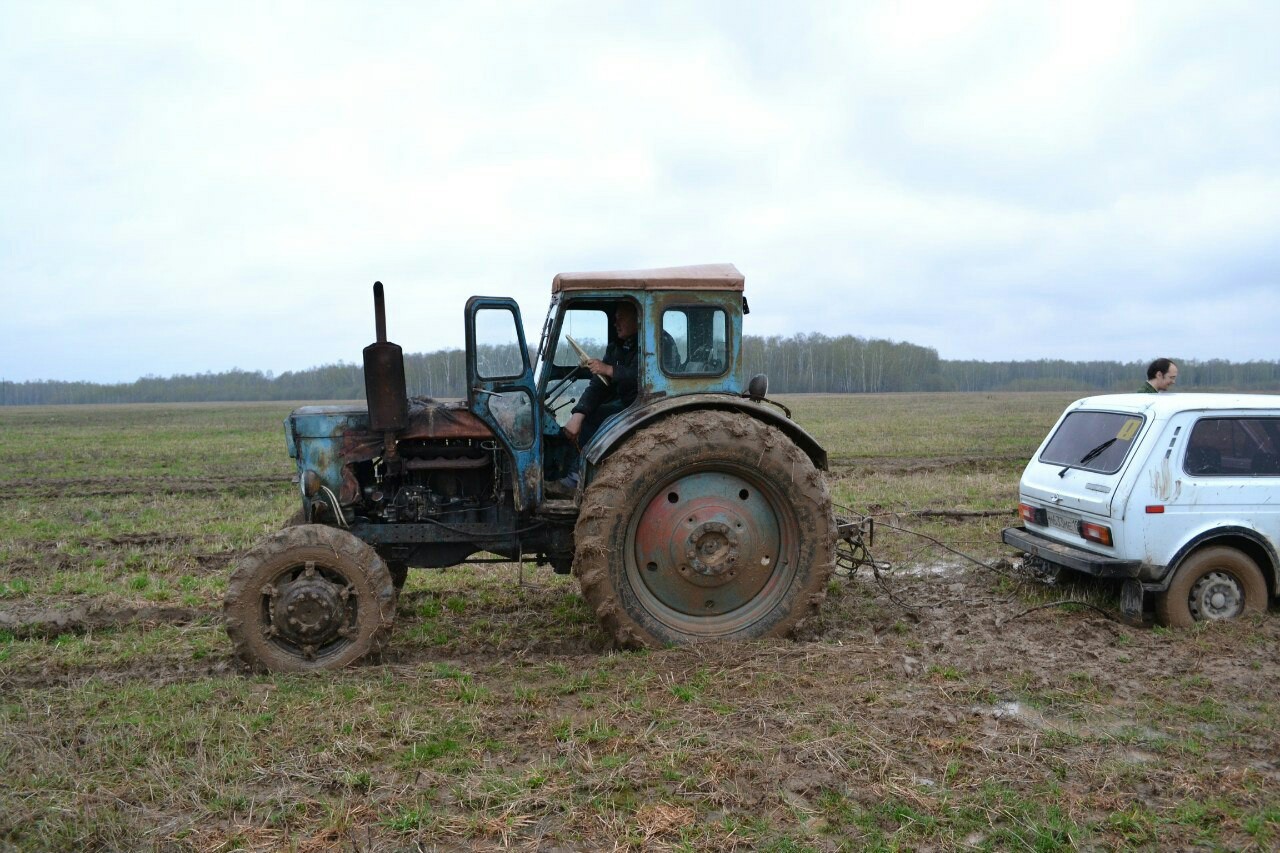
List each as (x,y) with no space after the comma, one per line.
(698,277)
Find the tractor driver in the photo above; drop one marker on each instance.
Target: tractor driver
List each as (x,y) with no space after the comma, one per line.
(602,400)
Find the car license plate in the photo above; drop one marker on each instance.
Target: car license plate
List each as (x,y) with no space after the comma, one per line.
(1063,522)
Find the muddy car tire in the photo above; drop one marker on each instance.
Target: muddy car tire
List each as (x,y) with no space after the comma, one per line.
(309,598)
(706,526)
(1213,583)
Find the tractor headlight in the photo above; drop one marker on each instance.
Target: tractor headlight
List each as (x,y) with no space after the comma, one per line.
(311,484)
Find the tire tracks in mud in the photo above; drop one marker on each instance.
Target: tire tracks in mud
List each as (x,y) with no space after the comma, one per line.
(46,556)
(27,622)
(44,489)
(405,665)
(35,622)
(155,672)
(904,465)
(957,619)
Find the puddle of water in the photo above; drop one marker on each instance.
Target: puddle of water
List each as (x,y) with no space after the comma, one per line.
(1124,731)
(932,570)
(1007,709)
(1028,716)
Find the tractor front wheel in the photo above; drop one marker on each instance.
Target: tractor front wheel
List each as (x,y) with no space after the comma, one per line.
(307,598)
(705,526)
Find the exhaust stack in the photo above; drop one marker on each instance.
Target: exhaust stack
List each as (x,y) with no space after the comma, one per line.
(384,385)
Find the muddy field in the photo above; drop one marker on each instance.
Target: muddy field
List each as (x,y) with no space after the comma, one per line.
(934,704)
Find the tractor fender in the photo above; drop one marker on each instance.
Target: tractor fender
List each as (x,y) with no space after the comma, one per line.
(618,428)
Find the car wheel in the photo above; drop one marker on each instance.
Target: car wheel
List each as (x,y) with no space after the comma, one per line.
(1212,584)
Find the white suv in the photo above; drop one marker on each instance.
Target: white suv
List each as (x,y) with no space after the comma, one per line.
(1176,494)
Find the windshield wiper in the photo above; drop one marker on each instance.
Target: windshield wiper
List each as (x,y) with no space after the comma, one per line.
(1097,450)
(1090,455)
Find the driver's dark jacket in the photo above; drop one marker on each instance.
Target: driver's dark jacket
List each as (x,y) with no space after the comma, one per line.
(621,355)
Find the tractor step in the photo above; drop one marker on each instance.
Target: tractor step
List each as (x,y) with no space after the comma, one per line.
(558,508)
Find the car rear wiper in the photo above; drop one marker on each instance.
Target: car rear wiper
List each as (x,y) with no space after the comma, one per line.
(1090,455)
(1097,450)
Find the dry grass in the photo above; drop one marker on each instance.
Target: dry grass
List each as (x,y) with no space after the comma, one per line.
(924,711)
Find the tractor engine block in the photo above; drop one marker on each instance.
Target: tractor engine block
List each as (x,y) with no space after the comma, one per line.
(433,480)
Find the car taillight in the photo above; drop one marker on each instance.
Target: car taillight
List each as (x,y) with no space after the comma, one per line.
(1032,514)
(1096,532)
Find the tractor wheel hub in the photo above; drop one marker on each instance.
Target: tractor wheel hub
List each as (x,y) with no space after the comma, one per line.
(309,611)
(712,549)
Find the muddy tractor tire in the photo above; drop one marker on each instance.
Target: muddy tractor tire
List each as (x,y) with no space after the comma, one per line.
(299,517)
(309,598)
(399,570)
(705,526)
(1212,584)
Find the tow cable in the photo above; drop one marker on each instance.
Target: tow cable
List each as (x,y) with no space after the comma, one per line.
(856,536)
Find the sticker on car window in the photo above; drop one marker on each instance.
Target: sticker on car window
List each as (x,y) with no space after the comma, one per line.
(1129,429)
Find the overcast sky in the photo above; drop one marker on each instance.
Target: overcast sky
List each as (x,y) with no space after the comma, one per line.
(190,187)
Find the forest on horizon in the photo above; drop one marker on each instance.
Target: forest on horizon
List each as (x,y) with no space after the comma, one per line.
(799,364)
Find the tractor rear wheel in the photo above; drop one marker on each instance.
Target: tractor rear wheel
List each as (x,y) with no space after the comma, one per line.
(307,598)
(705,526)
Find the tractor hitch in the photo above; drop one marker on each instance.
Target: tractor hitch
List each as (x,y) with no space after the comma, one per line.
(854,538)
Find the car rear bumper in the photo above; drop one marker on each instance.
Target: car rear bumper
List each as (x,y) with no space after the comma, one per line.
(1069,556)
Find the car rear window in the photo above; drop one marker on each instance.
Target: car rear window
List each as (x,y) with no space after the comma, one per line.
(1093,441)
(1234,447)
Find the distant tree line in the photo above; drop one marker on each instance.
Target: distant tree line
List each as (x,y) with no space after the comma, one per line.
(804,363)
(1107,376)
(845,365)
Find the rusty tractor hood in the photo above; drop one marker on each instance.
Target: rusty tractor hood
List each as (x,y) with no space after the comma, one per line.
(326,438)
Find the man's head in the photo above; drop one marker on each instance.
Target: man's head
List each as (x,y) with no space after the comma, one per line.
(624,320)
(1162,373)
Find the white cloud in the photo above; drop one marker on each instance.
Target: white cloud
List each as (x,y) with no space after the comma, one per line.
(197,188)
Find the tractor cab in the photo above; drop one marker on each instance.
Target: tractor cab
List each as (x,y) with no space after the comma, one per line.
(689,342)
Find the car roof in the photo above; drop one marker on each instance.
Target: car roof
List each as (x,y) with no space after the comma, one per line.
(1170,403)
(696,277)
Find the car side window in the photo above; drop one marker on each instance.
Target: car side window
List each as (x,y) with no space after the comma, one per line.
(1234,447)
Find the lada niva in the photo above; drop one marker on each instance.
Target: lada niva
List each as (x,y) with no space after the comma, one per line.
(1176,495)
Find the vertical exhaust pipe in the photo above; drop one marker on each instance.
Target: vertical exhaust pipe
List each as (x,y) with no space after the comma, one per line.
(384,385)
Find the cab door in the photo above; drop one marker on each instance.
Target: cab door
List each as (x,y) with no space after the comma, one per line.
(501,391)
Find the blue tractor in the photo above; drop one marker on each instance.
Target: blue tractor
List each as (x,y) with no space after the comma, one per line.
(698,511)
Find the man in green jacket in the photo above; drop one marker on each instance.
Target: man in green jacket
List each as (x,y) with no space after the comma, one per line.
(1161,374)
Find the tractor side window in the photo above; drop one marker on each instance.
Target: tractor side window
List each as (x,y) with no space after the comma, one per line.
(694,340)
(498,353)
